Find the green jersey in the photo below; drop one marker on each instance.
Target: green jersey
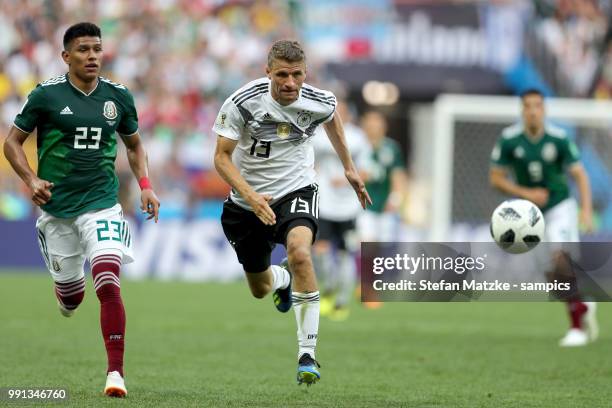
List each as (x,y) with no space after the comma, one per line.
(540,163)
(76,141)
(384,160)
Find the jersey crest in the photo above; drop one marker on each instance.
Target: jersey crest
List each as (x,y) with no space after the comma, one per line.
(110,110)
(304,118)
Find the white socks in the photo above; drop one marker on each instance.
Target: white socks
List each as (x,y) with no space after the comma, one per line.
(306,307)
(280,277)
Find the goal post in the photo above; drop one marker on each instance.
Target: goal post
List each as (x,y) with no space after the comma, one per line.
(464,130)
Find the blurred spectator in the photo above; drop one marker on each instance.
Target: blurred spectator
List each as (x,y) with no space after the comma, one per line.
(574,34)
(179,58)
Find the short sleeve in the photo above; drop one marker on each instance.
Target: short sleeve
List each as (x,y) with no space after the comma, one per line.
(570,153)
(331,104)
(229,122)
(29,116)
(499,154)
(129,119)
(364,154)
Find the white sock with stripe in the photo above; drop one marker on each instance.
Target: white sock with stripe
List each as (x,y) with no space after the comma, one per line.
(280,277)
(306,307)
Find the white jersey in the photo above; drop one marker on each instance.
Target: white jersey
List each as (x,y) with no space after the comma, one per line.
(274,152)
(339,202)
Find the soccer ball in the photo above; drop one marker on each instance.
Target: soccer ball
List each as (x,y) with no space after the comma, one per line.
(517,226)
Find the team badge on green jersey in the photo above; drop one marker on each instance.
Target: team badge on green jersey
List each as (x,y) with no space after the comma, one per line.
(110,110)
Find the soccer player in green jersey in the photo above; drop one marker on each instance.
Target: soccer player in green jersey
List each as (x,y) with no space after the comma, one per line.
(76,116)
(386,181)
(540,155)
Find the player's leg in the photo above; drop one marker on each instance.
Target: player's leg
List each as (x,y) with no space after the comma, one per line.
(325,265)
(345,270)
(60,247)
(107,238)
(252,241)
(561,232)
(305,298)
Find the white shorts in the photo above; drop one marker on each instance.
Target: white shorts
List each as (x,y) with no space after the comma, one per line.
(65,243)
(562,233)
(562,222)
(378,227)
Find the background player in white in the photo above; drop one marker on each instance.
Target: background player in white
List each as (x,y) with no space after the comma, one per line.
(334,250)
(539,156)
(264,151)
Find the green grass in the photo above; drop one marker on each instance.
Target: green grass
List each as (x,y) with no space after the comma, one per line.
(213,345)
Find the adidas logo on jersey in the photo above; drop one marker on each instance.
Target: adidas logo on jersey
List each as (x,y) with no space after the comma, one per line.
(66,111)
(267,116)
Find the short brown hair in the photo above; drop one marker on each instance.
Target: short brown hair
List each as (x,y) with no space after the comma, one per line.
(286,50)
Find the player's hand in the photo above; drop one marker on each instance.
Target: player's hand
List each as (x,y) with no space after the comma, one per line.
(354,179)
(586,219)
(149,204)
(41,191)
(261,208)
(538,196)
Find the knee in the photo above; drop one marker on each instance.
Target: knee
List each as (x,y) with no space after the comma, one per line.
(299,257)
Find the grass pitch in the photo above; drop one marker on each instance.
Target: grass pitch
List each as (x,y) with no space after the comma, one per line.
(212,345)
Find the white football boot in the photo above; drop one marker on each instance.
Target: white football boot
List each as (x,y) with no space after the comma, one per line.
(115,386)
(574,338)
(65,312)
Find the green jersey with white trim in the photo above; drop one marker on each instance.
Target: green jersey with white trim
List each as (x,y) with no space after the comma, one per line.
(540,163)
(76,141)
(383,161)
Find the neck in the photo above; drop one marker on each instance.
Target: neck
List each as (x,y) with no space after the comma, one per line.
(84,86)
(534,133)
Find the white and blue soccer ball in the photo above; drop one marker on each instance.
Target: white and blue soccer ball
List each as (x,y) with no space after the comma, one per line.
(517,226)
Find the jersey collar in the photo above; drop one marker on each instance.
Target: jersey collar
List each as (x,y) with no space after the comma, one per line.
(75,87)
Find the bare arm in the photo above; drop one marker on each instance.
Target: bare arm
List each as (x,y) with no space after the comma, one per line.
(498,179)
(137,157)
(14,153)
(230,173)
(335,133)
(584,188)
(398,184)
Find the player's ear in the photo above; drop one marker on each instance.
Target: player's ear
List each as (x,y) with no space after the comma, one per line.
(268,72)
(66,57)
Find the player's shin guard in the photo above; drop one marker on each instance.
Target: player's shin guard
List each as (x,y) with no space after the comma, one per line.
(105,272)
(70,294)
(306,306)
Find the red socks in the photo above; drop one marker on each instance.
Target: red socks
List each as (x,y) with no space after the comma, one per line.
(70,294)
(105,272)
(576,310)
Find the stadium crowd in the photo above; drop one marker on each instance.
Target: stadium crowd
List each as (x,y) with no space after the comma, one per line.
(181,58)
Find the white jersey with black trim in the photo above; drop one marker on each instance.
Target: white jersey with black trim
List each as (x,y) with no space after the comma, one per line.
(274,152)
(338,201)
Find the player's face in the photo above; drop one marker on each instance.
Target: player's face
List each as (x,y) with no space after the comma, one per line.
(84,57)
(533,112)
(374,126)
(287,79)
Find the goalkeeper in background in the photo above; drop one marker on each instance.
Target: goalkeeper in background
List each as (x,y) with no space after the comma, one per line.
(540,155)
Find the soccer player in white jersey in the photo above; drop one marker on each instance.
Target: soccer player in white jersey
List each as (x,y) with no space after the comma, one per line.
(264,151)
(334,251)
